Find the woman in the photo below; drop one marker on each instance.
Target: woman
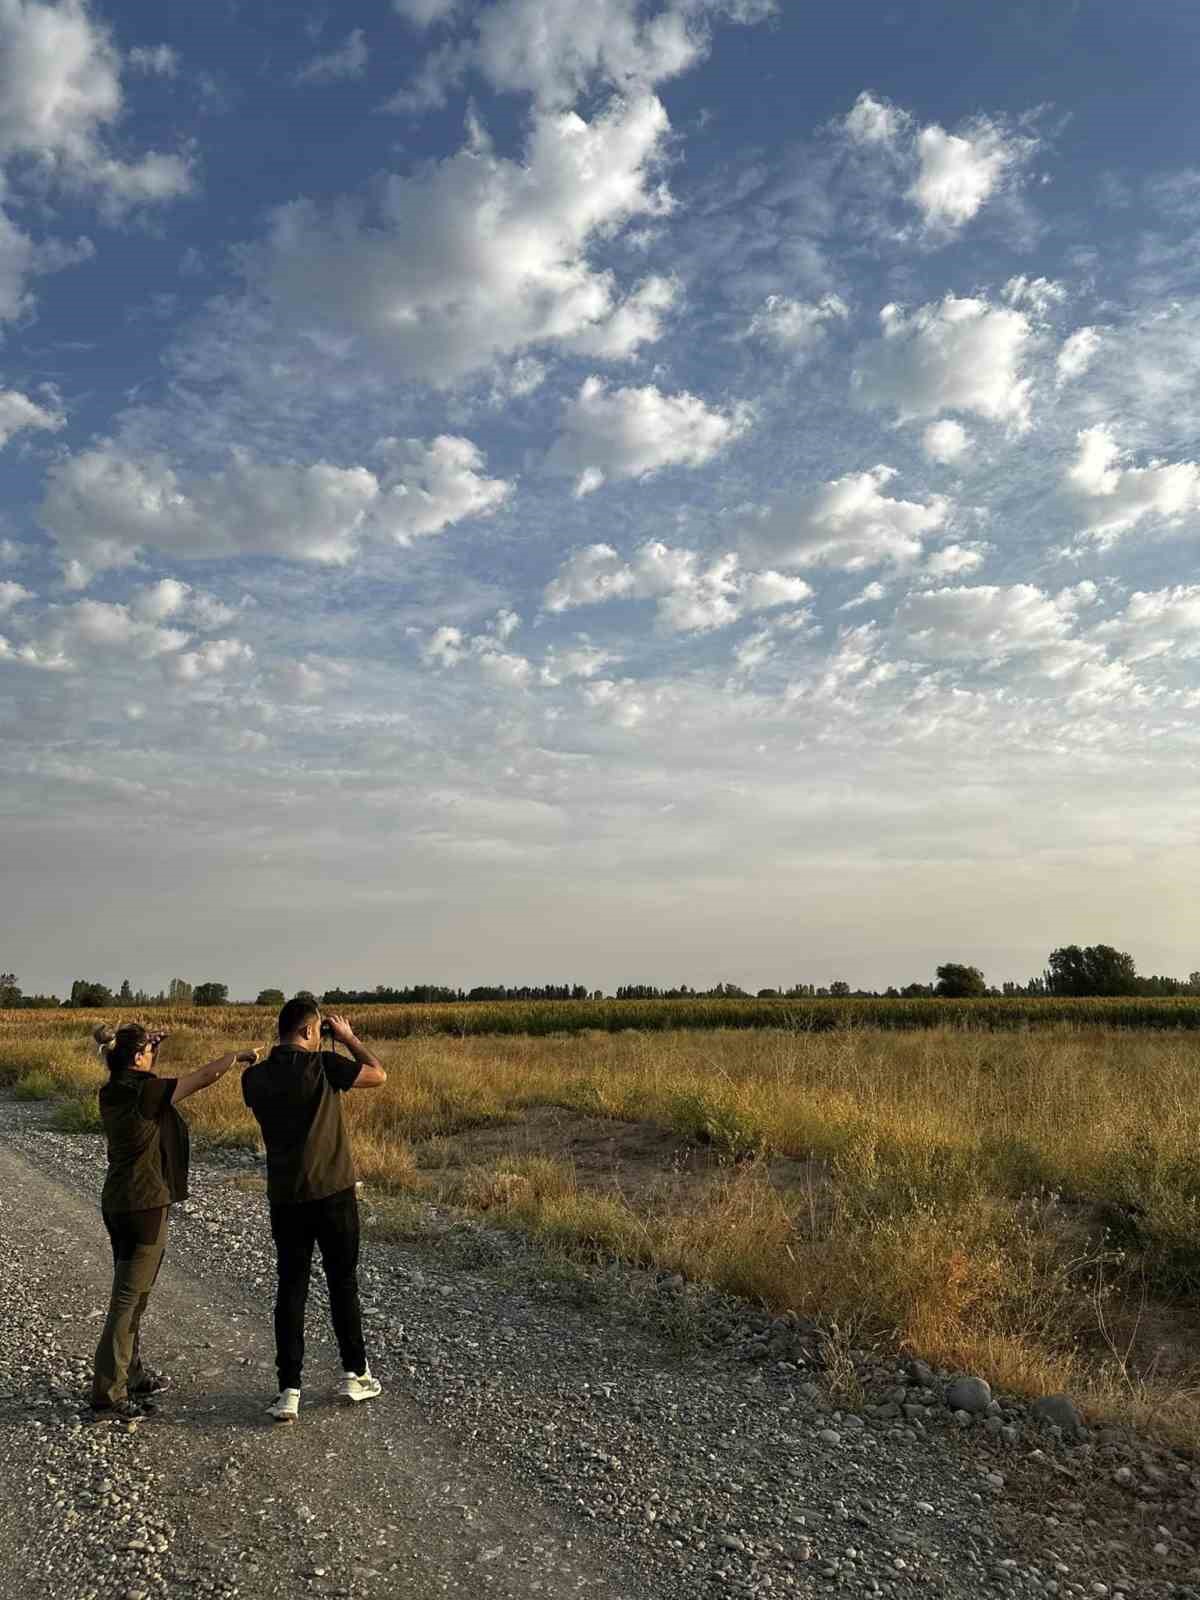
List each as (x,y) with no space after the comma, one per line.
(147,1172)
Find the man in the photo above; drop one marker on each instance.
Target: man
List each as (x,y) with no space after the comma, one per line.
(296,1096)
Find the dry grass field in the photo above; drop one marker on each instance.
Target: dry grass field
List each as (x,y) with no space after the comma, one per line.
(1025,1204)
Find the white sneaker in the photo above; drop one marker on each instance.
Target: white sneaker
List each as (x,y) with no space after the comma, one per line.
(354,1387)
(286,1408)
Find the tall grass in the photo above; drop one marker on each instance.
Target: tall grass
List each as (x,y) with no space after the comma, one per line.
(947,1190)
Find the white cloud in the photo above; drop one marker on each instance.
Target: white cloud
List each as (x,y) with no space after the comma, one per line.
(555,50)
(865,597)
(872,121)
(478,258)
(430,487)
(11,552)
(631,433)
(957,354)
(209,660)
(798,326)
(12,594)
(637,321)
(959,174)
(1156,623)
(169,597)
(96,627)
(102,505)
(956,560)
(1039,294)
(503,668)
(849,523)
(945,442)
(580,661)
(1078,353)
(156,60)
(349,60)
(951,175)
(60,91)
(446,647)
(18,412)
(1116,497)
(692,597)
(982,624)
(36,656)
(310,679)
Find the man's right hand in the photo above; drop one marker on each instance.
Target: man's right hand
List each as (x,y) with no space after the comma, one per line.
(340,1029)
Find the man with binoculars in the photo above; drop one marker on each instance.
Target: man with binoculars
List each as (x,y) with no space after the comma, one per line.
(296,1096)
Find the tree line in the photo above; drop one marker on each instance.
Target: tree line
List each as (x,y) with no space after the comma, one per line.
(1071,970)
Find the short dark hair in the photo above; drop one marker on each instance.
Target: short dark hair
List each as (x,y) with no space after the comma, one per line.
(295,1014)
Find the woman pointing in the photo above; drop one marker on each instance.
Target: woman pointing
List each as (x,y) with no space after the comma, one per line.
(148,1151)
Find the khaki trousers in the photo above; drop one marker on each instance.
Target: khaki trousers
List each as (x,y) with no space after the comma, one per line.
(135,1268)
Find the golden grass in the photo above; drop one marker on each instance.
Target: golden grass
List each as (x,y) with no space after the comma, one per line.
(955,1187)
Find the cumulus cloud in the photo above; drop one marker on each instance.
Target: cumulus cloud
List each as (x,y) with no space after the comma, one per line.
(1115,497)
(987,623)
(956,354)
(429,487)
(209,660)
(103,505)
(945,442)
(1078,353)
(693,597)
(60,94)
(849,523)
(631,433)
(310,679)
(478,258)
(580,661)
(18,413)
(12,594)
(349,60)
(555,50)
(797,326)
(170,597)
(638,320)
(1156,623)
(873,121)
(955,560)
(950,176)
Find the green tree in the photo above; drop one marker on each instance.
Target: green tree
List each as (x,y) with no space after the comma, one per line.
(210,994)
(957,982)
(1097,969)
(86,993)
(179,992)
(839,988)
(126,994)
(270,997)
(10,991)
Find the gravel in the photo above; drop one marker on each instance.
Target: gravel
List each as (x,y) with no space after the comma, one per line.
(657,1439)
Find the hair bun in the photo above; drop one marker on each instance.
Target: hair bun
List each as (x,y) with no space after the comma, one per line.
(105,1038)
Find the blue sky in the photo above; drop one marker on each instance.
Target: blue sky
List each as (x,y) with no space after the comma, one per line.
(688,491)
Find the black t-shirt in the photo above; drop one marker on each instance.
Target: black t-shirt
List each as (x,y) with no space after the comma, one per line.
(148,1143)
(296,1097)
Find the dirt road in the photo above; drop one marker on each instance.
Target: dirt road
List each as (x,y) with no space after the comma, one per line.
(525,1445)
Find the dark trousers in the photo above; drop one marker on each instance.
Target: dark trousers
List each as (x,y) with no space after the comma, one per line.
(332,1225)
(139,1242)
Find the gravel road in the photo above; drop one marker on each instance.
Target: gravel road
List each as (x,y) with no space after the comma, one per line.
(539,1434)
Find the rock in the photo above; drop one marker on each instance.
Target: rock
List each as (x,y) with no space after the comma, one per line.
(921,1374)
(829,1436)
(1124,1477)
(973,1395)
(1058,1409)
(963,1418)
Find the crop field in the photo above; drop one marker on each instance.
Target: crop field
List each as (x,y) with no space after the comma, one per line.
(1022,1202)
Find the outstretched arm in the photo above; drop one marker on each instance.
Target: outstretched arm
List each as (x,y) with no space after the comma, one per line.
(370,1071)
(204,1076)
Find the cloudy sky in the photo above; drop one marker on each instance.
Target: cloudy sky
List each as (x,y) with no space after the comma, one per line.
(599,490)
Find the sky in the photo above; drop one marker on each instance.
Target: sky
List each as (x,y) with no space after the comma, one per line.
(597,491)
